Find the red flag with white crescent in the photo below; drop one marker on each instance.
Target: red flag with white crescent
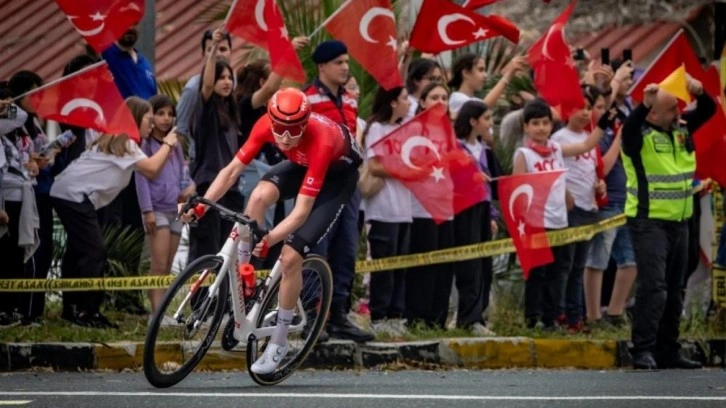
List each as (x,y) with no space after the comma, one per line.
(87,99)
(102,22)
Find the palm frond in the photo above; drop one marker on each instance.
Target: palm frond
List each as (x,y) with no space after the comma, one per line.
(172,88)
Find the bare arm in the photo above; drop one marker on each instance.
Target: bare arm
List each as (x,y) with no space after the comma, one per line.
(151,166)
(209,66)
(612,155)
(301,211)
(262,95)
(573,149)
(377,168)
(520,164)
(495,93)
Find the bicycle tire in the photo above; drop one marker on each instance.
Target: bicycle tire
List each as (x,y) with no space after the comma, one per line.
(156,377)
(286,370)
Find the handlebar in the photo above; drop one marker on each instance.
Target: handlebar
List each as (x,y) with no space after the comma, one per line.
(226,213)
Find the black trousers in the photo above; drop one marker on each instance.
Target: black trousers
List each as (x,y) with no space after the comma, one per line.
(387,292)
(210,233)
(661,252)
(85,254)
(544,290)
(469,274)
(12,261)
(43,257)
(487,268)
(428,287)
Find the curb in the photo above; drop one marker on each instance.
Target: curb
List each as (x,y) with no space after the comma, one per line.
(470,353)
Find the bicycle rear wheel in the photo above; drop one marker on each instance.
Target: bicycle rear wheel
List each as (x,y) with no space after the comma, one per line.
(174,345)
(315,297)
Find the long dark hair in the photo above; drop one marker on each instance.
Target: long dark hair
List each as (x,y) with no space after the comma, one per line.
(470,110)
(417,70)
(226,107)
(159,102)
(426,91)
(382,111)
(464,63)
(20,83)
(249,76)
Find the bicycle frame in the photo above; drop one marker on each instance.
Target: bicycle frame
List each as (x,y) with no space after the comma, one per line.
(245,323)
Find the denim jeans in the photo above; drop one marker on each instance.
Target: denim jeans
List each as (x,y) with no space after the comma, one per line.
(574,268)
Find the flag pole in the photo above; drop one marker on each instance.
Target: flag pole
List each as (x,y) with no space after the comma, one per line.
(229,13)
(655,60)
(335,13)
(51,83)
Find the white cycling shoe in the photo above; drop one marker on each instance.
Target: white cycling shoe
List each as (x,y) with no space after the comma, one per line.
(270,360)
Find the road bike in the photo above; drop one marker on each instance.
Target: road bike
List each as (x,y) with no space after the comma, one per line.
(185,325)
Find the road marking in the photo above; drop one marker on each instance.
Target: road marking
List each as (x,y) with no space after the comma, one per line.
(21,402)
(364,396)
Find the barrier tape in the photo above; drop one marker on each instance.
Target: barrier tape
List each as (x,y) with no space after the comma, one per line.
(462,253)
(719,285)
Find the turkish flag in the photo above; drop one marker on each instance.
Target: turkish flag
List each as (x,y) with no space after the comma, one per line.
(710,139)
(260,22)
(678,52)
(246,20)
(469,181)
(102,22)
(477,4)
(535,51)
(373,44)
(442,25)
(283,58)
(523,198)
(89,99)
(555,74)
(417,154)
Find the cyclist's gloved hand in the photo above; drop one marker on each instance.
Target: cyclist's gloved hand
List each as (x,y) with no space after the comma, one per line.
(262,248)
(194,214)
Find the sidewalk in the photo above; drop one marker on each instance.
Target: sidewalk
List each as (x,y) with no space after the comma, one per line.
(468,353)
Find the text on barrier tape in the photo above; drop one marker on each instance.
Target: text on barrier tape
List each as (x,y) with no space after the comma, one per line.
(462,253)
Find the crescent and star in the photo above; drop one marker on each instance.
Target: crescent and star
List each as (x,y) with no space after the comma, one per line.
(528,191)
(365,23)
(419,141)
(443,24)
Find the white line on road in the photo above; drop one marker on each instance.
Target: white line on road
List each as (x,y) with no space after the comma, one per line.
(15,402)
(363,396)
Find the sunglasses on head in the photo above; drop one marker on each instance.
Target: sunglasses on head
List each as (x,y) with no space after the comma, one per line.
(292,132)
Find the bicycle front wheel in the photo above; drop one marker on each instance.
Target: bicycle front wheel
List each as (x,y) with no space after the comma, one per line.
(183,328)
(315,297)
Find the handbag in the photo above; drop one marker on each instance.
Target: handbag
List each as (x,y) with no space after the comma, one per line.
(368,184)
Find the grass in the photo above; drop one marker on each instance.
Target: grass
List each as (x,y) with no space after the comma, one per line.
(506,319)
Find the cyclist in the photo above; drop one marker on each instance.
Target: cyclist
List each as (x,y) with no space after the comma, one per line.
(321,169)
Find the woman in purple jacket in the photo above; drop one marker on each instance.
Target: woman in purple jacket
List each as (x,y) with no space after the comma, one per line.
(158,198)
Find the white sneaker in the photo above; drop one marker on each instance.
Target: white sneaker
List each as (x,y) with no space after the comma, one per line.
(481,330)
(270,360)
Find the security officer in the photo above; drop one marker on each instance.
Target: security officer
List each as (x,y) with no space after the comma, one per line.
(659,160)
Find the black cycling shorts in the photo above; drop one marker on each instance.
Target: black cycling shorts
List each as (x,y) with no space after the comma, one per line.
(338,187)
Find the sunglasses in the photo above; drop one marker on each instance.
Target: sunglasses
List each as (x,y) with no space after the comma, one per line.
(292,132)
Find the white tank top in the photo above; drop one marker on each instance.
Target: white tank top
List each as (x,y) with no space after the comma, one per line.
(555,208)
(581,170)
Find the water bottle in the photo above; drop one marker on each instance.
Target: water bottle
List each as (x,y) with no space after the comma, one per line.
(246,274)
(61,142)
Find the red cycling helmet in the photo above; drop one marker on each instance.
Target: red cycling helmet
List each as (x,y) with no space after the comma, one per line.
(289,107)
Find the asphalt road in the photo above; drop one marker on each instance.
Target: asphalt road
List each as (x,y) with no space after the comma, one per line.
(403,389)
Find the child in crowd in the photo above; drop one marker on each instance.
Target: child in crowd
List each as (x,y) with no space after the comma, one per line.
(158,197)
(544,288)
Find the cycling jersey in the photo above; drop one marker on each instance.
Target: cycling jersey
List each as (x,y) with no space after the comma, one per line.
(324,146)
